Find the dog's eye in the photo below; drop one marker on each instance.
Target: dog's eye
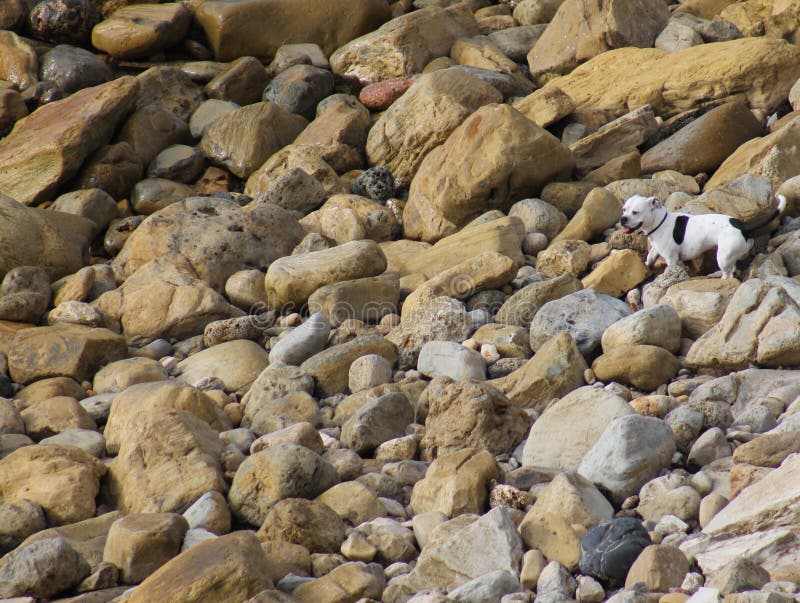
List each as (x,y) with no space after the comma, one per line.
(635,213)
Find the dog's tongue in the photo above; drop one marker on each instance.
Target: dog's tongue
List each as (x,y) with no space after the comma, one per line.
(627,229)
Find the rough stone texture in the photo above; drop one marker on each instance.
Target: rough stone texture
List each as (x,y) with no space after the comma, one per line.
(555,370)
(658,325)
(759,326)
(274,474)
(629,452)
(63,480)
(642,366)
(232,568)
(598,212)
(62,350)
(349,218)
(191,232)
(700,303)
(260,27)
(456,483)
(423,118)
(610,549)
(309,523)
(349,582)
(517,158)
(376,422)
(18,520)
(566,431)
(522,306)
(660,567)
(48,148)
(19,64)
(368,299)
(617,274)
(405,44)
(41,569)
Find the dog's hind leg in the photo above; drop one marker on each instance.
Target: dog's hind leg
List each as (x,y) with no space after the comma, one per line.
(728,253)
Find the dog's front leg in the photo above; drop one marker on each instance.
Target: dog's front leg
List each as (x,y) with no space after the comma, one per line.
(652,256)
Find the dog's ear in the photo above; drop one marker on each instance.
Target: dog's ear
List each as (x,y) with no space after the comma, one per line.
(654,202)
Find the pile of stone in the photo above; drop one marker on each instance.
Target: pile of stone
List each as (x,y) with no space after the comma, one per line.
(322,301)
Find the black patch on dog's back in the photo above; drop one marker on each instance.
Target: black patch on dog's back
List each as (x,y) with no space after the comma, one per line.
(679,229)
(737,224)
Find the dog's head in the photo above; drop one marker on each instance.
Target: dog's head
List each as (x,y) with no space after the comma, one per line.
(639,212)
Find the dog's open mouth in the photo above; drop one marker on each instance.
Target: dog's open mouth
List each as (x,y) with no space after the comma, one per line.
(630,229)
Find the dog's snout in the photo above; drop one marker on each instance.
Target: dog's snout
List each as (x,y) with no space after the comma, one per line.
(623,220)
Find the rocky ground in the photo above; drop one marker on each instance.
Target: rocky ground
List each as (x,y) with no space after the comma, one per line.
(237,365)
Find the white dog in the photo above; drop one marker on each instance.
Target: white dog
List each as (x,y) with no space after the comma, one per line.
(680,237)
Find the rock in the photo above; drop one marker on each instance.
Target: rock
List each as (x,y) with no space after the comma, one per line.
(660,567)
(739,575)
(88,440)
(260,184)
(302,342)
(270,24)
(615,138)
(470,414)
(620,272)
(369,371)
(49,148)
(539,216)
(593,30)
(406,44)
(598,212)
(272,415)
(482,53)
(114,168)
(349,218)
(545,107)
(209,112)
(274,474)
(555,370)
(235,363)
(242,140)
(658,325)
(177,162)
(564,257)
(629,452)
(565,432)
(330,367)
(760,66)
(520,308)
(489,587)
(241,82)
(584,315)
(93,204)
(190,232)
(700,303)
(737,340)
(169,88)
(452,557)
(643,366)
(42,569)
(451,359)
(141,543)
(703,144)
(73,69)
(118,376)
(710,446)
(63,480)
(410,129)
(161,300)
(352,581)
(376,422)
(291,280)
(309,523)
(523,158)
(233,567)
(209,512)
(767,450)
(20,519)
(368,299)
(135,32)
(55,415)
(352,502)
(299,88)
(609,550)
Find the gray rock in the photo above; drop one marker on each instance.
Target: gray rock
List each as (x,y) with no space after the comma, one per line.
(658,325)
(178,162)
(296,190)
(18,520)
(451,359)
(555,583)
(377,421)
(709,447)
(717,30)
(629,452)
(207,113)
(757,418)
(585,315)
(99,406)
(299,88)
(686,423)
(369,371)
(93,204)
(609,549)
(72,68)
(520,308)
(539,216)
(42,569)
(486,588)
(376,183)
(303,342)
(516,42)
(92,442)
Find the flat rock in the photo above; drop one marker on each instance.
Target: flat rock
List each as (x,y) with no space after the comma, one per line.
(135,32)
(642,366)
(451,359)
(658,325)
(598,212)
(49,147)
(309,523)
(368,299)
(522,306)
(520,157)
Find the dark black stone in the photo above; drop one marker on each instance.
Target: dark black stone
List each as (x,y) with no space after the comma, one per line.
(299,89)
(6,387)
(609,549)
(64,21)
(377,183)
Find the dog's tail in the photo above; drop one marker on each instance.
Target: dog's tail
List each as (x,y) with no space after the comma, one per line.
(764,221)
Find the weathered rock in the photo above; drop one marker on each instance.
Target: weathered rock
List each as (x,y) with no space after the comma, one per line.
(114,168)
(620,272)
(168,459)
(20,63)
(269,179)
(767,450)
(629,452)
(564,257)
(565,432)
(700,303)
(193,231)
(642,366)
(451,359)
(758,327)
(368,299)
(152,129)
(349,218)
(555,370)
(309,523)
(353,502)
(456,483)
(241,82)
(55,415)
(592,30)
(63,480)
(482,53)
(209,512)
(658,325)
(244,139)
(351,581)
(118,376)
(584,315)
(518,156)
(299,88)
(380,420)
(610,549)
(550,533)
(19,520)
(48,149)
(545,107)
(277,473)
(135,32)
(170,88)
(232,567)
(162,300)
(73,68)
(462,415)
(405,44)
(41,569)
(235,363)
(260,27)
(522,306)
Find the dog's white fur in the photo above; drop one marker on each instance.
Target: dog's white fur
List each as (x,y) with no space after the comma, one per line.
(703,232)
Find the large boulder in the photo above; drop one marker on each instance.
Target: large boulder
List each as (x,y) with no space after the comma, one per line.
(213,237)
(495,157)
(404,45)
(764,68)
(259,27)
(582,29)
(47,148)
(423,118)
